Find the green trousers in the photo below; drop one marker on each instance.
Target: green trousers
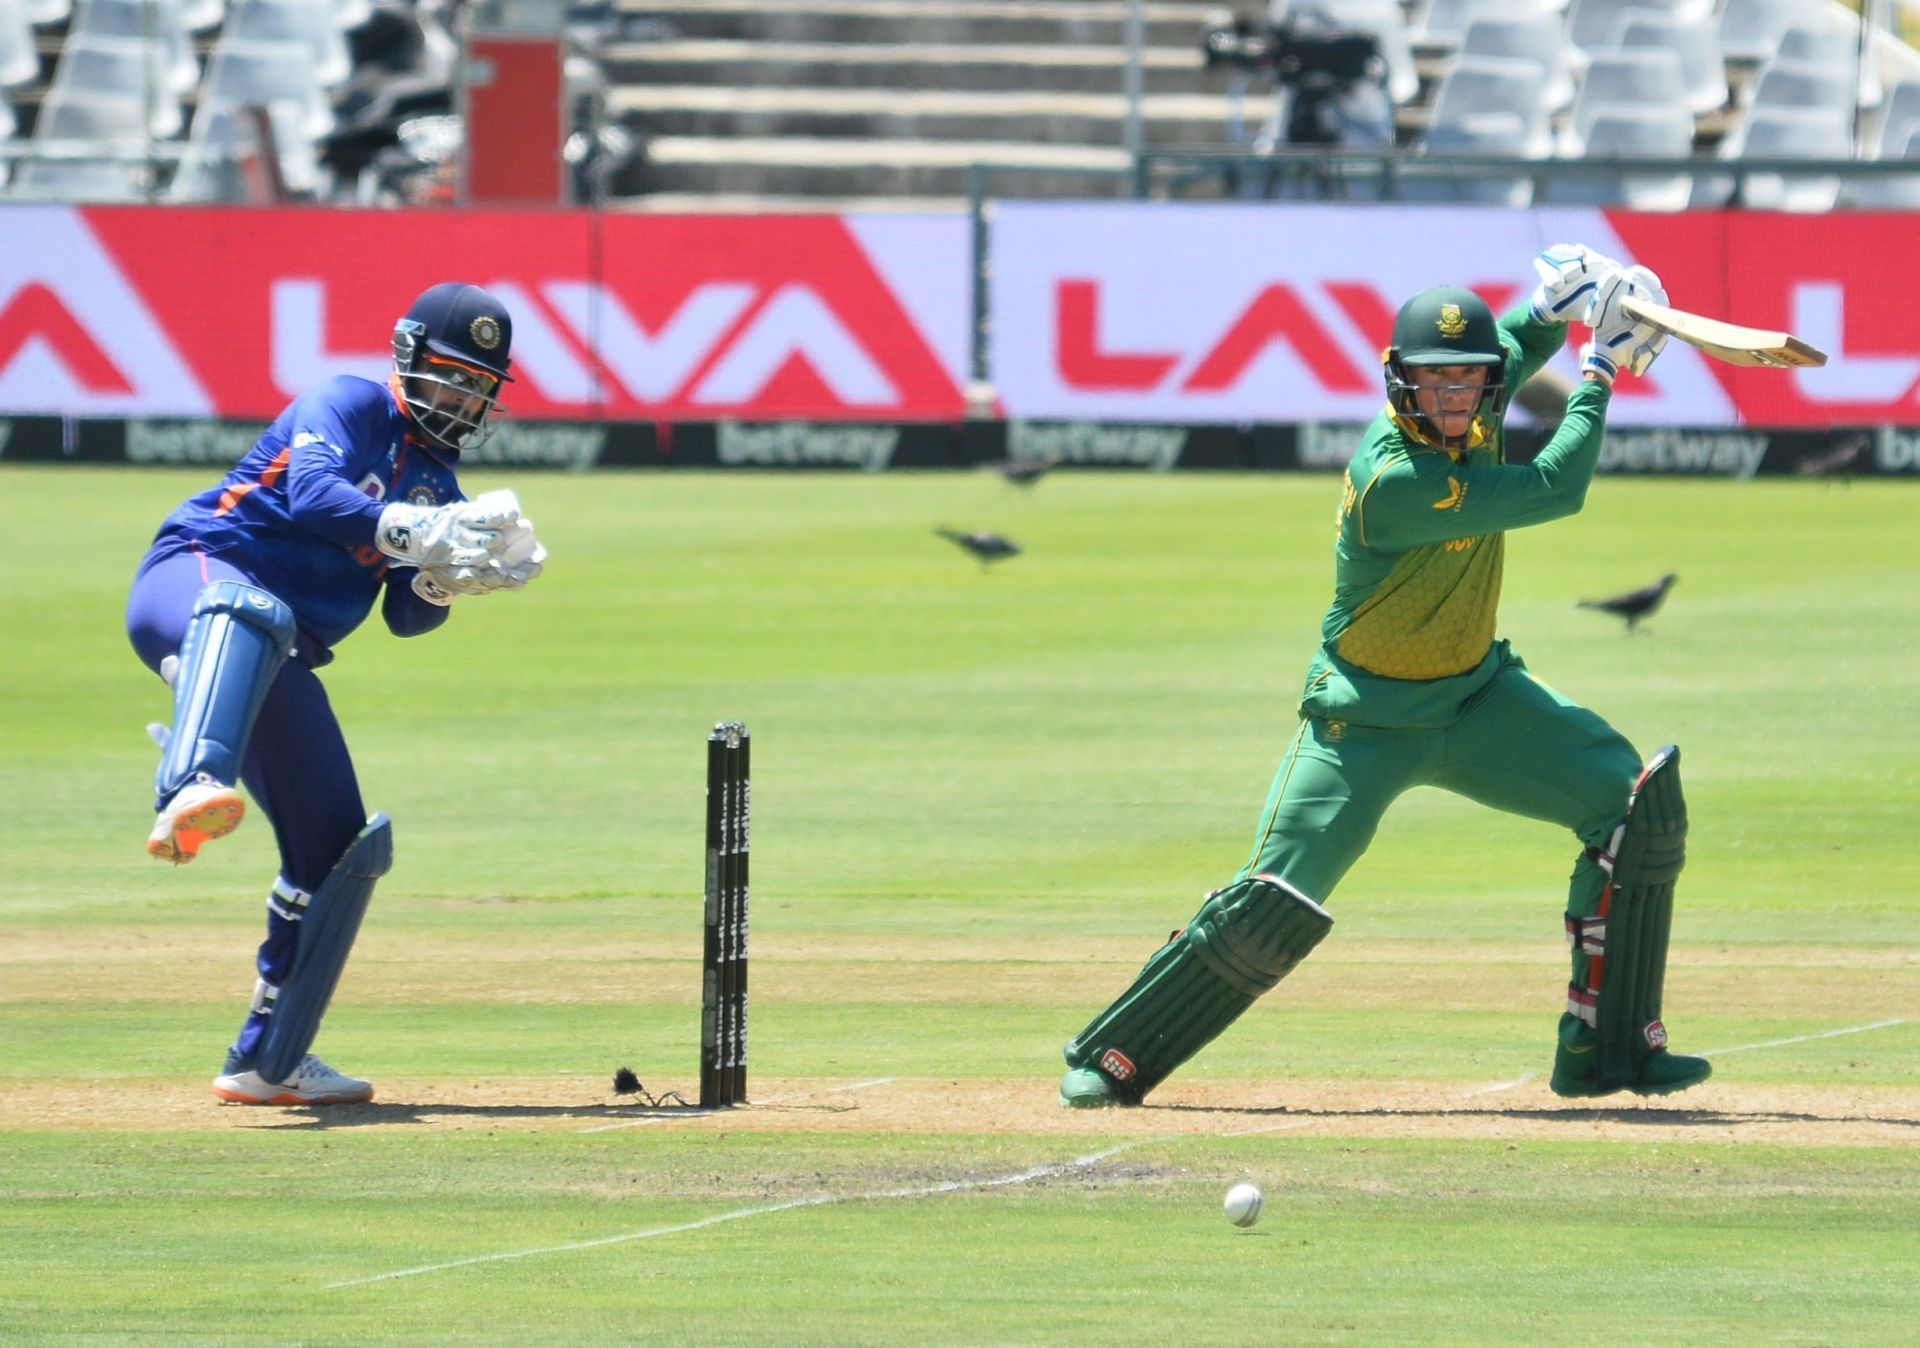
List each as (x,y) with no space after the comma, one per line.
(1517,745)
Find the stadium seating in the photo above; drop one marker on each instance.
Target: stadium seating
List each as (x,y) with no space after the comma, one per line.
(1631,133)
(1750,30)
(1594,25)
(224,138)
(1791,84)
(1622,79)
(1894,194)
(134,21)
(1479,86)
(1793,133)
(18,62)
(108,67)
(93,121)
(1899,114)
(310,23)
(1693,39)
(1532,37)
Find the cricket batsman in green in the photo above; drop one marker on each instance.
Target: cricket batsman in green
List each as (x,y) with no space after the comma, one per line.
(1411,688)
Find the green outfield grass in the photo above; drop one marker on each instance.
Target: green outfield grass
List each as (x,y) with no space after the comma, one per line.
(980,799)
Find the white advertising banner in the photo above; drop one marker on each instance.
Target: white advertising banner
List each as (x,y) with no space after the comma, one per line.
(1183,313)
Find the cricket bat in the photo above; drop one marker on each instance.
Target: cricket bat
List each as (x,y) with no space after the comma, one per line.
(1727,341)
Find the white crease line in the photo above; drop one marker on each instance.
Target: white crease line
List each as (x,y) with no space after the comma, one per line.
(1499,1086)
(1803,1038)
(1288,1126)
(709,1113)
(739,1214)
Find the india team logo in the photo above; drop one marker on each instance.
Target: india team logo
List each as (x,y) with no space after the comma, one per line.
(1452,323)
(486,331)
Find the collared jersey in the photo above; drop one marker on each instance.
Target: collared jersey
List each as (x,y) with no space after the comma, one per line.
(297,513)
(1421,548)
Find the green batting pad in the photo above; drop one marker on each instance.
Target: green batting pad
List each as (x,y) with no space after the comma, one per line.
(1244,939)
(1651,851)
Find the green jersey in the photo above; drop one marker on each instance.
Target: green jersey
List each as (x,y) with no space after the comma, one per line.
(1418,559)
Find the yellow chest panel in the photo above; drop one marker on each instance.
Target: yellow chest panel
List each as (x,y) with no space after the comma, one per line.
(1433,616)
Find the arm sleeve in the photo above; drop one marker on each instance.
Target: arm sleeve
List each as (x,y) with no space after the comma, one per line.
(335,435)
(406,613)
(1426,498)
(1534,344)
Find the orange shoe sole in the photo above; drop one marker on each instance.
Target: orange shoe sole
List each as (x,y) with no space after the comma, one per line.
(213,818)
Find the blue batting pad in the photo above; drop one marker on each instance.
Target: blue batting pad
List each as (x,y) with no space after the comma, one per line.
(237,640)
(327,934)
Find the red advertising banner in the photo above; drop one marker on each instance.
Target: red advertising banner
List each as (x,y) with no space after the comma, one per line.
(116,311)
(516,120)
(1208,313)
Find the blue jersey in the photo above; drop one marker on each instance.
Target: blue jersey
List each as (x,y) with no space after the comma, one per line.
(297,514)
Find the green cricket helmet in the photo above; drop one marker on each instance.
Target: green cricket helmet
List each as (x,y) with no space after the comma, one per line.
(1447,325)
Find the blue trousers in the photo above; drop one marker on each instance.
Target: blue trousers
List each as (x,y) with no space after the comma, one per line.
(296,764)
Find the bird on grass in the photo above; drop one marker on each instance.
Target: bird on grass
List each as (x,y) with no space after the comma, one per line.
(1635,604)
(989,548)
(1840,463)
(1025,472)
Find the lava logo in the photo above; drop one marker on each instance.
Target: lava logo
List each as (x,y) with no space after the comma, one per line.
(760,318)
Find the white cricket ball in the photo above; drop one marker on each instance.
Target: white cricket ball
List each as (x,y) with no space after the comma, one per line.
(1244,1202)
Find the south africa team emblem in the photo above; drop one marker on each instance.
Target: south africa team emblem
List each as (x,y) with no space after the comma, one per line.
(1452,323)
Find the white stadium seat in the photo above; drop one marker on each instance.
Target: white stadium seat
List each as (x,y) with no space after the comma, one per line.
(1750,30)
(106,120)
(1836,48)
(1794,133)
(1787,84)
(136,21)
(107,67)
(18,62)
(1632,133)
(308,22)
(1901,194)
(1899,113)
(1528,37)
(1443,23)
(1489,133)
(1593,26)
(269,73)
(202,16)
(1694,40)
(1635,79)
(1477,86)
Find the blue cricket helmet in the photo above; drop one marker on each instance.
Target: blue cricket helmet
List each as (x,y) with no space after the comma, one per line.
(450,353)
(465,323)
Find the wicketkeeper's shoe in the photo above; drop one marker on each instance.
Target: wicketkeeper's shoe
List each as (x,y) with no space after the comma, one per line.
(198,813)
(1089,1088)
(312,1083)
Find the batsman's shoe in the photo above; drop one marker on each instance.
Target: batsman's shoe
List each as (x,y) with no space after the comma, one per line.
(1574,1074)
(1090,1088)
(198,813)
(312,1083)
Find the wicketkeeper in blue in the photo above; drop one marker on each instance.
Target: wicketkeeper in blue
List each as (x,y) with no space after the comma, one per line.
(349,497)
